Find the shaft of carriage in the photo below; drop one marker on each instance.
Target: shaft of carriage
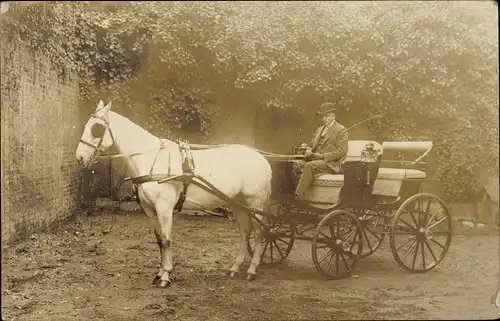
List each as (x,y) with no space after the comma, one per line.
(210,188)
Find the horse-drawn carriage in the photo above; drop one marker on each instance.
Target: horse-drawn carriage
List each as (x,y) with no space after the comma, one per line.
(347,216)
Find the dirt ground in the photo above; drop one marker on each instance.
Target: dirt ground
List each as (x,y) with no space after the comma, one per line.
(100,267)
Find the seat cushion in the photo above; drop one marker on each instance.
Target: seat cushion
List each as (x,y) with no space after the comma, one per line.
(400,173)
(329,180)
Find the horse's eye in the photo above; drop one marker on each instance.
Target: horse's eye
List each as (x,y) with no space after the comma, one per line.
(98,130)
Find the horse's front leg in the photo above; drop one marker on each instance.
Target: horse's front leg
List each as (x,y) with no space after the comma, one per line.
(151,213)
(259,248)
(160,271)
(164,211)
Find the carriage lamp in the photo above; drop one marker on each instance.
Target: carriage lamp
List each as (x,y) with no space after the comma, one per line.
(369,154)
(369,157)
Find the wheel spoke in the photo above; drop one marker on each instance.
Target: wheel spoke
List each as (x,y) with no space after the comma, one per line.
(323,246)
(326,236)
(430,250)
(264,251)
(280,239)
(415,256)
(332,231)
(345,227)
(409,250)
(325,256)
(408,224)
(419,210)
(441,245)
(279,250)
(404,228)
(432,217)
(345,261)
(367,239)
(404,233)
(423,255)
(350,233)
(408,241)
(372,233)
(437,223)
(323,241)
(337,263)
(271,248)
(330,264)
(413,219)
(428,207)
(353,240)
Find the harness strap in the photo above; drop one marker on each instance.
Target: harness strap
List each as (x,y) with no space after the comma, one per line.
(148,178)
(162,146)
(187,168)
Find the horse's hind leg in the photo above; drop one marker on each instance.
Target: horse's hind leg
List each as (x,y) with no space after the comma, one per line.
(255,261)
(244,224)
(257,201)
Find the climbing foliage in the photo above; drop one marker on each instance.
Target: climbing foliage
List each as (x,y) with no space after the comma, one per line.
(430,68)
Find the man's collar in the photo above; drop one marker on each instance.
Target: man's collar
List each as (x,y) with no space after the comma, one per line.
(330,124)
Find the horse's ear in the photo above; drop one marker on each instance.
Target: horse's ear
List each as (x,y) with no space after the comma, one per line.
(108,107)
(100,105)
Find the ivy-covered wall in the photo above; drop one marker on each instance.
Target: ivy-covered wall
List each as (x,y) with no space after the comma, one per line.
(41,124)
(430,68)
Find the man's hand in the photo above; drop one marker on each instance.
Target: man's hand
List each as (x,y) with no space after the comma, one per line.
(315,156)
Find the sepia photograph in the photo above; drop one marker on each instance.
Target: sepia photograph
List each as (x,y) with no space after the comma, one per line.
(249,160)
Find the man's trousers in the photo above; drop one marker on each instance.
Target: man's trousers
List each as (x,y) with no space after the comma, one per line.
(310,170)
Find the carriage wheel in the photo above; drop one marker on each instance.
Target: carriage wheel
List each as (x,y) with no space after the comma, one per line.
(338,242)
(421,228)
(278,239)
(373,230)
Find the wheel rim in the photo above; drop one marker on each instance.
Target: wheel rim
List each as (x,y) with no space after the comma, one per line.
(421,233)
(278,240)
(337,244)
(374,225)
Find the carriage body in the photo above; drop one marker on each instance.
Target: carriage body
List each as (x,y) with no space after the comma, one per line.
(373,197)
(360,184)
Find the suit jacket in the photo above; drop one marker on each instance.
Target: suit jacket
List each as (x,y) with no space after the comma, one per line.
(332,144)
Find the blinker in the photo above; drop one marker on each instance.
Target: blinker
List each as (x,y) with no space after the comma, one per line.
(98,130)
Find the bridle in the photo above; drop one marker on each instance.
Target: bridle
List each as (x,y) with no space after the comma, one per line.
(97,148)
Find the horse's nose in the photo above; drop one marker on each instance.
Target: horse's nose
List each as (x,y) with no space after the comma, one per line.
(79,159)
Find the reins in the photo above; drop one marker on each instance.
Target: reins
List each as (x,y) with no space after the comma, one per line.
(191,146)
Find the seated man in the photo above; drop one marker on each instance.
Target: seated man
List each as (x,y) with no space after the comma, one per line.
(328,147)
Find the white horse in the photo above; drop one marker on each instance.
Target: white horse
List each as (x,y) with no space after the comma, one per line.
(236,170)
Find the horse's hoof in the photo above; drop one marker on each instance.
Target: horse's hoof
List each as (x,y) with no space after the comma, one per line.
(231,274)
(164,284)
(156,279)
(250,277)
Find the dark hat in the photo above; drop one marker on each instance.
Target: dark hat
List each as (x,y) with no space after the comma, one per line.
(326,108)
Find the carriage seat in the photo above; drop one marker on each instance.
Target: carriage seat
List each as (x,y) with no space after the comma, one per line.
(383,173)
(400,173)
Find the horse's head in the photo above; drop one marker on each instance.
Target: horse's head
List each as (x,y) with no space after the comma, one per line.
(96,136)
